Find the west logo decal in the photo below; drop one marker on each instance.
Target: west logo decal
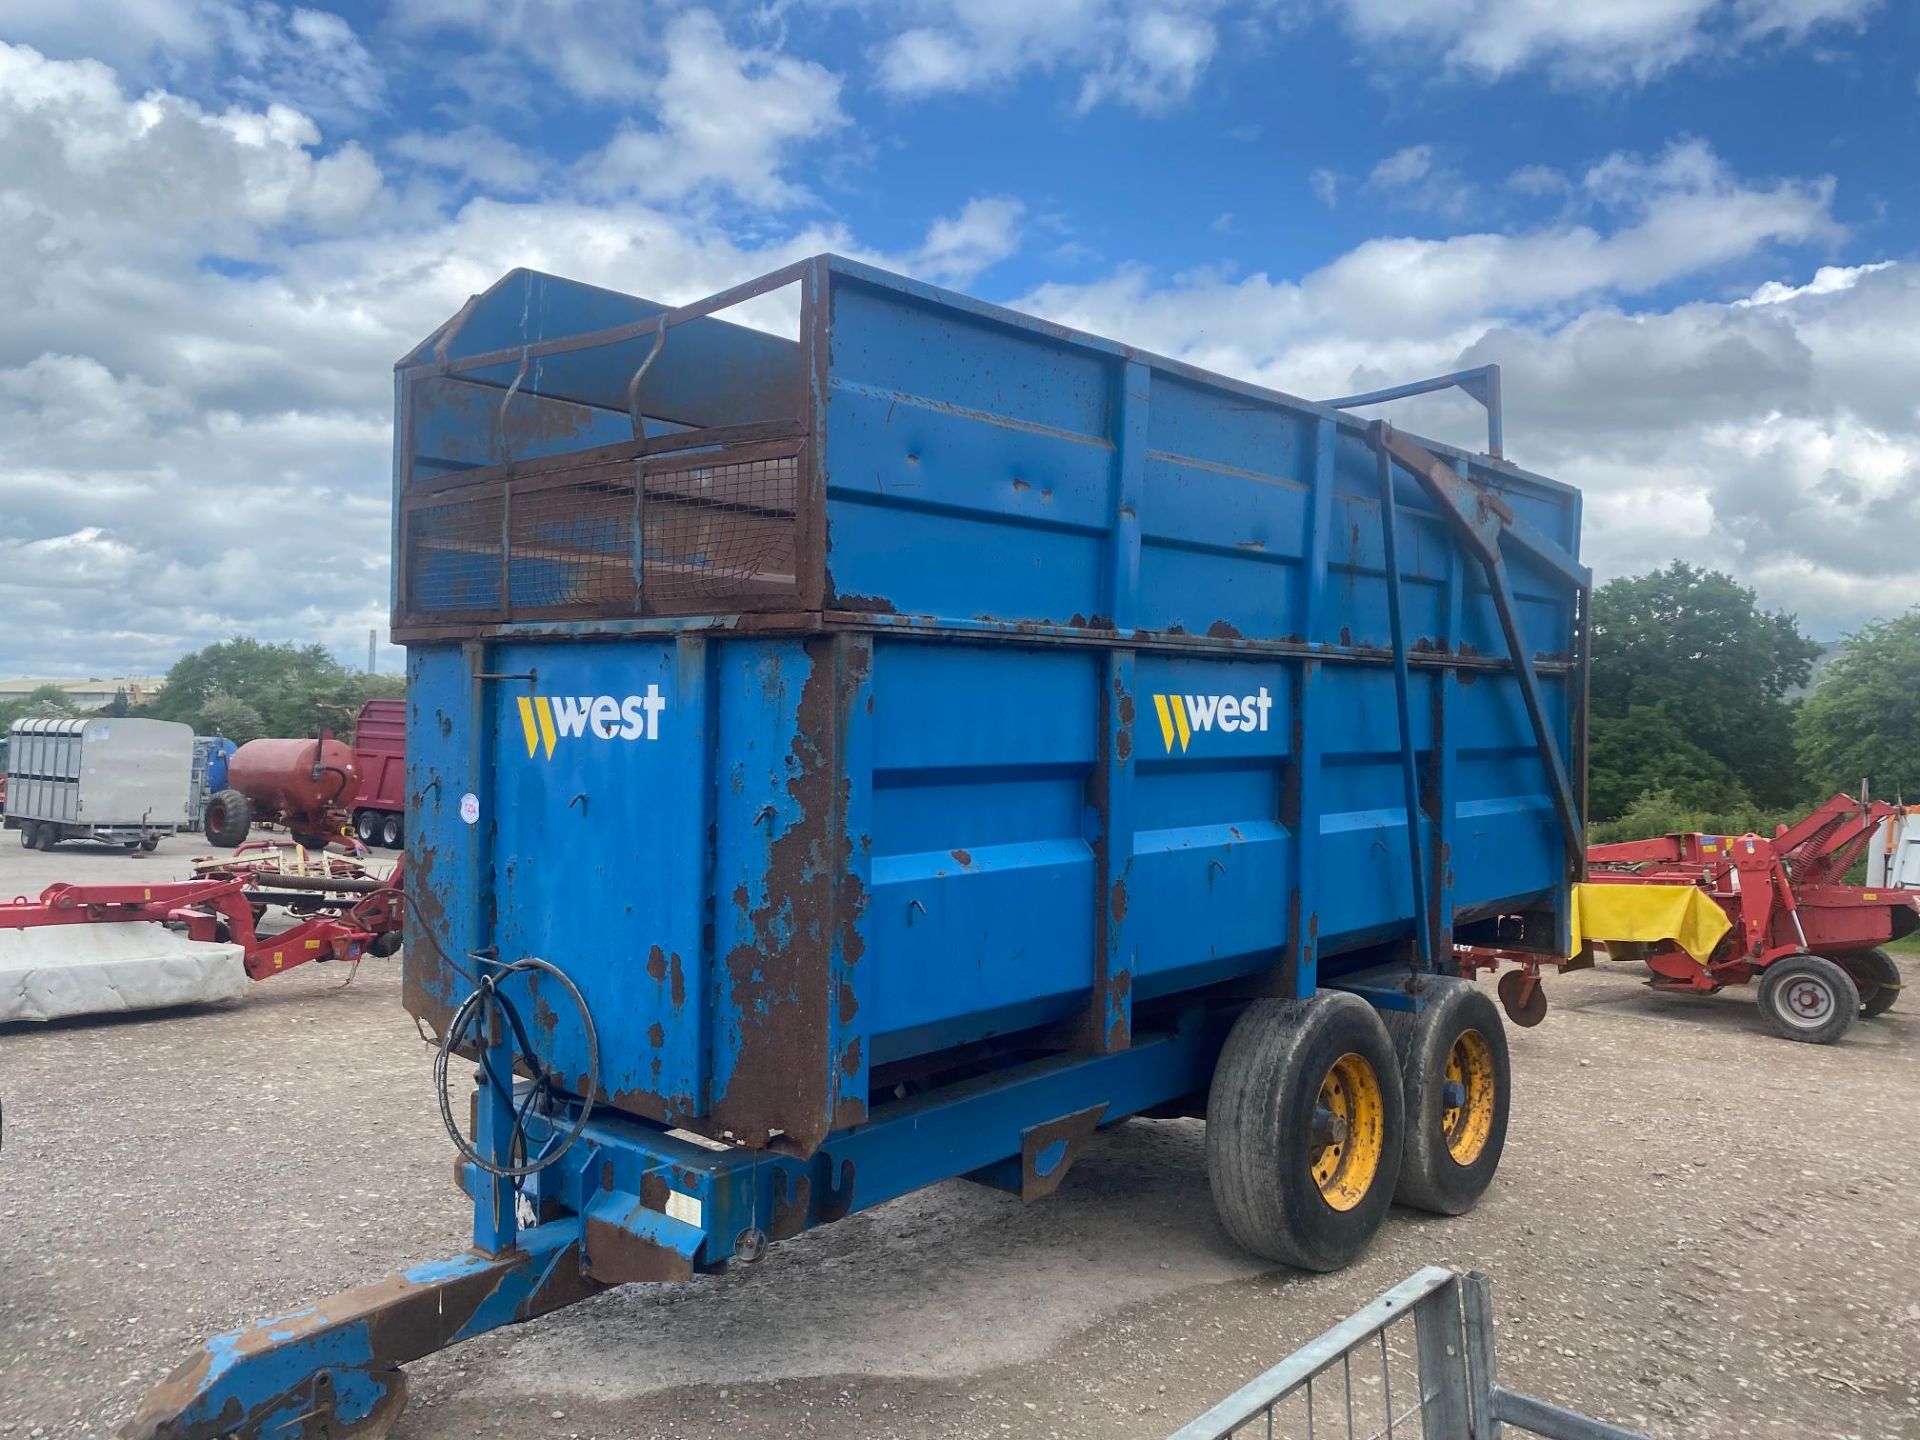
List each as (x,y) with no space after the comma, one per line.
(548,720)
(1184,716)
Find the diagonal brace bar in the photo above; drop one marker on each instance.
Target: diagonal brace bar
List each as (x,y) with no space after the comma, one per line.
(1483,520)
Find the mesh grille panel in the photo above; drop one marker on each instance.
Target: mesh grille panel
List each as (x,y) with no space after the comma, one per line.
(717,528)
(720,530)
(572,546)
(453,556)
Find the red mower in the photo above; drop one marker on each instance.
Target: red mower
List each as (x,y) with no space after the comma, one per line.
(1813,941)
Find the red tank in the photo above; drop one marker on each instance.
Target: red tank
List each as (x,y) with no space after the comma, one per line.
(307,785)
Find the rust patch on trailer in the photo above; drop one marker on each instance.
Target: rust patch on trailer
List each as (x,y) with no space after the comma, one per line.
(1048,1150)
(403,1319)
(837,1199)
(656,1037)
(850,1058)
(543,1016)
(782,981)
(860,604)
(424,971)
(1117,902)
(653,1191)
(657,965)
(678,990)
(961,856)
(1221,630)
(617,1256)
(790,1205)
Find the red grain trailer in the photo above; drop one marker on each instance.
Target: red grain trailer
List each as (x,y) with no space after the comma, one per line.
(380,755)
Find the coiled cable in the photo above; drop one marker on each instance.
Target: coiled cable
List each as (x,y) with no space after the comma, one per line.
(487,991)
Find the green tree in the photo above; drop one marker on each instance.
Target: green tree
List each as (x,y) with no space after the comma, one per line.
(1863,722)
(42,702)
(1693,646)
(1647,750)
(228,715)
(286,689)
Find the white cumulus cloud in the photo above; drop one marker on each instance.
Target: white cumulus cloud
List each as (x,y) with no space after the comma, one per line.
(1589,41)
(1146,54)
(723,119)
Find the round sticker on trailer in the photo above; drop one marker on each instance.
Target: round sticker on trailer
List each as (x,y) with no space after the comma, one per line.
(470,808)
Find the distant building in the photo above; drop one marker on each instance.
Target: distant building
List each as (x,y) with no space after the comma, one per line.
(95,694)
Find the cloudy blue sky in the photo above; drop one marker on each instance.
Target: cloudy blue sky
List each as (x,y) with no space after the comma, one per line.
(1686,227)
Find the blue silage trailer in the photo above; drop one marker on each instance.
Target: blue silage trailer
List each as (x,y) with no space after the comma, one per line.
(890,740)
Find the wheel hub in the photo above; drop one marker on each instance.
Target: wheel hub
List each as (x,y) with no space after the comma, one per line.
(1468,1098)
(1809,1001)
(1347,1139)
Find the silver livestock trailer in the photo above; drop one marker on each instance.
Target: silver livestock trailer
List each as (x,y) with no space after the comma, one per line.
(120,781)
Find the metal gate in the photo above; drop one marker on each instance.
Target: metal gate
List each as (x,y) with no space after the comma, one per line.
(1416,1364)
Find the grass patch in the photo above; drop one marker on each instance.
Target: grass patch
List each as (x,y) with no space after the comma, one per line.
(1908,946)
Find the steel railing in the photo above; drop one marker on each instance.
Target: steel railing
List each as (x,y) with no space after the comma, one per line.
(1368,1378)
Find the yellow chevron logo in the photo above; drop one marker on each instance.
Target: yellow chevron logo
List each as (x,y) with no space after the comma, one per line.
(1173,717)
(1183,716)
(536,719)
(547,720)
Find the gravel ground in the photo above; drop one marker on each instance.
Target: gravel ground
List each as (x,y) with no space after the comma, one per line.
(1699,1230)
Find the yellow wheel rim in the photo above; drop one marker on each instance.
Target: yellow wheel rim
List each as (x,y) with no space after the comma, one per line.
(1349,1132)
(1468,1125)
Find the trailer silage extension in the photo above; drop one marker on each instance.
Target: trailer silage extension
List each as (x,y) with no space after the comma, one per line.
(844,762)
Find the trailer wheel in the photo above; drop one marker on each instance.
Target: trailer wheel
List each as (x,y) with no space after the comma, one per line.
(1808,997)
(29,834)
(46,835)
(1304,1127)
(390,831)
(366,826)
(149,843)
(1458,1082)
(229,818)
(1877,977)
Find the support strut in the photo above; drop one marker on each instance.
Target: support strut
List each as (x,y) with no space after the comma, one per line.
(332,1371)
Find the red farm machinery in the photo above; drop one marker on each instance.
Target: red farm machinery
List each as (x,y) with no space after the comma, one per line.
(1703,912)
(150,945)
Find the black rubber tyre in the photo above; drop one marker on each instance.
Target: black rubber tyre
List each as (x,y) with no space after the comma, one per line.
(1808,998)
(1877,977)
(46,835)
(391,834)
(366,825)
(1263,1143)
(149,843)
(1458,1083)
(29,834)
(229,819)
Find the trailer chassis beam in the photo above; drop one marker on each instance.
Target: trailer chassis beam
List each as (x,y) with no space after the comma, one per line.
(333,1369)
(630,1202)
